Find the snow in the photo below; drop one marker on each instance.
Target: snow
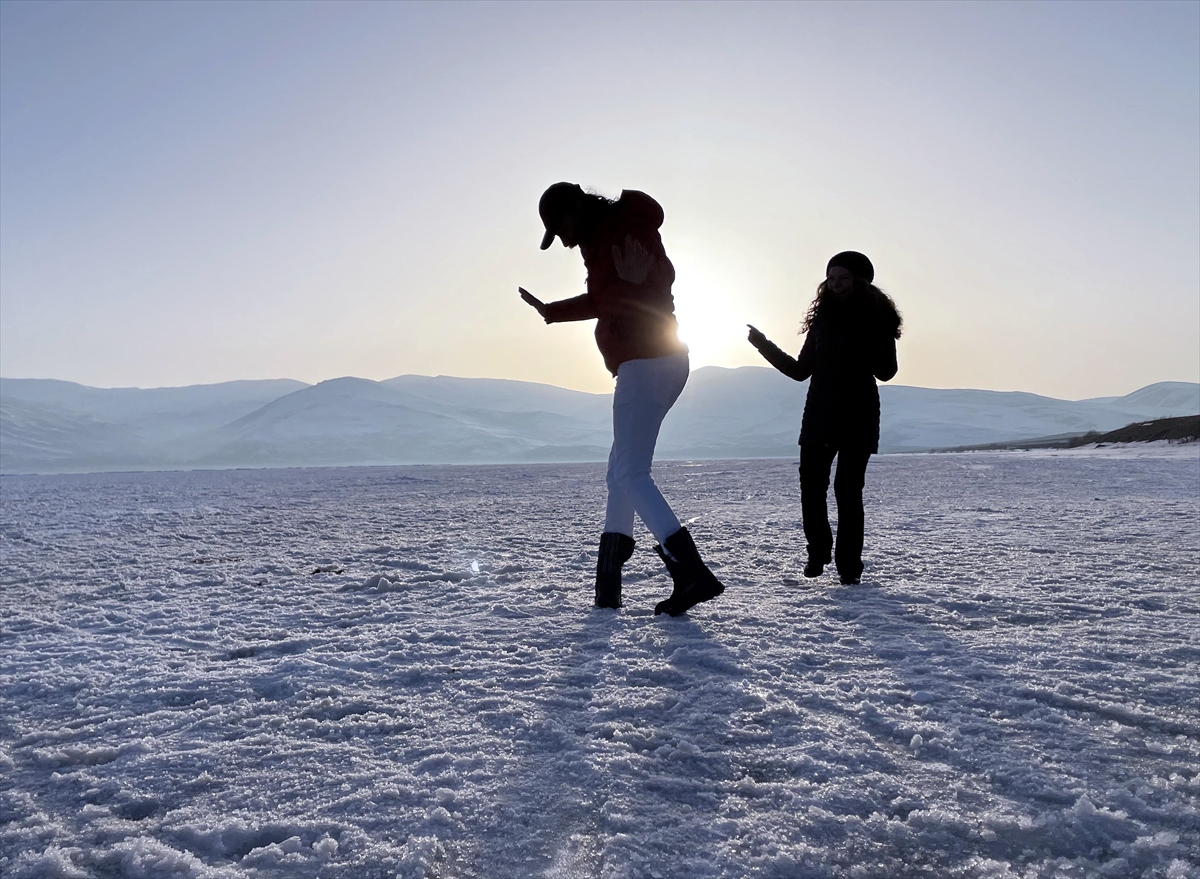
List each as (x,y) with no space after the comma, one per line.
(1170,449)
(396,672)
(1158,449)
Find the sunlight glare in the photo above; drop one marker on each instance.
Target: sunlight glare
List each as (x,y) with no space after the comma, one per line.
(710,306)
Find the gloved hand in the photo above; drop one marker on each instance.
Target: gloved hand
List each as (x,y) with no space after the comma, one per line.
(635,263)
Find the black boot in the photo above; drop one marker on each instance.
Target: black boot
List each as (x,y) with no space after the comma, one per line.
(615,550)
(813,569)
(679,578)
(694,582)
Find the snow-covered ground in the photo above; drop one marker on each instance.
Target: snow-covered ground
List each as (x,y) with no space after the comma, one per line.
(1159,449)
(396,672)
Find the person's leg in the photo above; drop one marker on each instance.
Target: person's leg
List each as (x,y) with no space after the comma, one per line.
(645,392)
(848,489)
(815,461)
(618,513)
(615,550)
(616,543)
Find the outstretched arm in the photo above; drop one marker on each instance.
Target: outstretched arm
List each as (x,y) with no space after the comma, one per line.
(575,308)
(798,368)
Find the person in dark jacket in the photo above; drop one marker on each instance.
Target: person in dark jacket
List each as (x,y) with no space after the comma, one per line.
(629,296)
(851,332)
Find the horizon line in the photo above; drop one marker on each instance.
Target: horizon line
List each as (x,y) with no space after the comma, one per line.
(558,387)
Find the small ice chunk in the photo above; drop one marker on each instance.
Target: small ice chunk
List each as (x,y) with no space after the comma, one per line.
(923,697)
(325,848)
(915,744)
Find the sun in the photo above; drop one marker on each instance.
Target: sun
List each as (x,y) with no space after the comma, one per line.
(711,302)
(710,323)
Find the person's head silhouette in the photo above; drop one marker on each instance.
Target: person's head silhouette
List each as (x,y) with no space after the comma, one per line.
(571,214)
(559,207)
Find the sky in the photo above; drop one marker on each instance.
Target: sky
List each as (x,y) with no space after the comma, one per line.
(203,192)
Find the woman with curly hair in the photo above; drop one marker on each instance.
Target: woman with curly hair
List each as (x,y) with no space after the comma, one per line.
(851,331)
(629,295)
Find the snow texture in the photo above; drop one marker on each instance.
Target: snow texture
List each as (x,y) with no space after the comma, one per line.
(396,672)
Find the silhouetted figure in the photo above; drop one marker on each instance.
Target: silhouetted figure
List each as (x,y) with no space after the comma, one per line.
(852,328)
(629,295)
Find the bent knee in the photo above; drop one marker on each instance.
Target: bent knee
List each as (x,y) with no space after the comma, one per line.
(623,479)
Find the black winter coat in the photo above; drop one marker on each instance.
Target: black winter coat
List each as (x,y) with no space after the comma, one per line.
(848,346)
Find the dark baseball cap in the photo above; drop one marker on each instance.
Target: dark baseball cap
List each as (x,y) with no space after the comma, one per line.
(555,203)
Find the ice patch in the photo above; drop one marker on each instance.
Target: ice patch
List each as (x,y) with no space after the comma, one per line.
(76,755)
(576,859)
(419,857)
(143,858)
(380,583)
(53,863)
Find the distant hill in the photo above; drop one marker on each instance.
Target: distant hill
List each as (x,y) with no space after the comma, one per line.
(49,426)
(1186,429)
(55,427)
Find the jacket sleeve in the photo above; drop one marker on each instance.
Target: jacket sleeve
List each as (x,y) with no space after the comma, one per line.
(798,368)
(575,308)
(884,366)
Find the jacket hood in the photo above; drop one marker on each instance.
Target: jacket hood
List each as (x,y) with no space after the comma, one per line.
(640,208)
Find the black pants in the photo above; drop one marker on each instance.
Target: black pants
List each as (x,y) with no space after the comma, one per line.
(816,459)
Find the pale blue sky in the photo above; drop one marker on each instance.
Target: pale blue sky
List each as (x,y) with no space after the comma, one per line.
(202,192)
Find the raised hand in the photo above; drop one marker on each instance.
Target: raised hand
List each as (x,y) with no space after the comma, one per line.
(635,263)
(530,299)
(755,337)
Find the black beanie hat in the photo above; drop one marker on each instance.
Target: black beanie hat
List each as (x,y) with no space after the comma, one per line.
(855,263)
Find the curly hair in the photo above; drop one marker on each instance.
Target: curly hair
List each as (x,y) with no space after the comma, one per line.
(880,310)
(590,208)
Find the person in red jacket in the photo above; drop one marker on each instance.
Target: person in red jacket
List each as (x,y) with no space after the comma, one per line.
(629,296)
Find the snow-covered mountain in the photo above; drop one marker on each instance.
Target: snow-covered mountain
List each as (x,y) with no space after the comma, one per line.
(921,418)
(49,426)
(52,426)
(348,421)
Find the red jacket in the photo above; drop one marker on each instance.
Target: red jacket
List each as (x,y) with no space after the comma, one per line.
(635,315)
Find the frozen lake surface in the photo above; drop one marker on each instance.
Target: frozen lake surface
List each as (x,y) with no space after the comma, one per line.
(396,672)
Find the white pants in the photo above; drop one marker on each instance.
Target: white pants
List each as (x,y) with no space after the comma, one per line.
(646,390)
